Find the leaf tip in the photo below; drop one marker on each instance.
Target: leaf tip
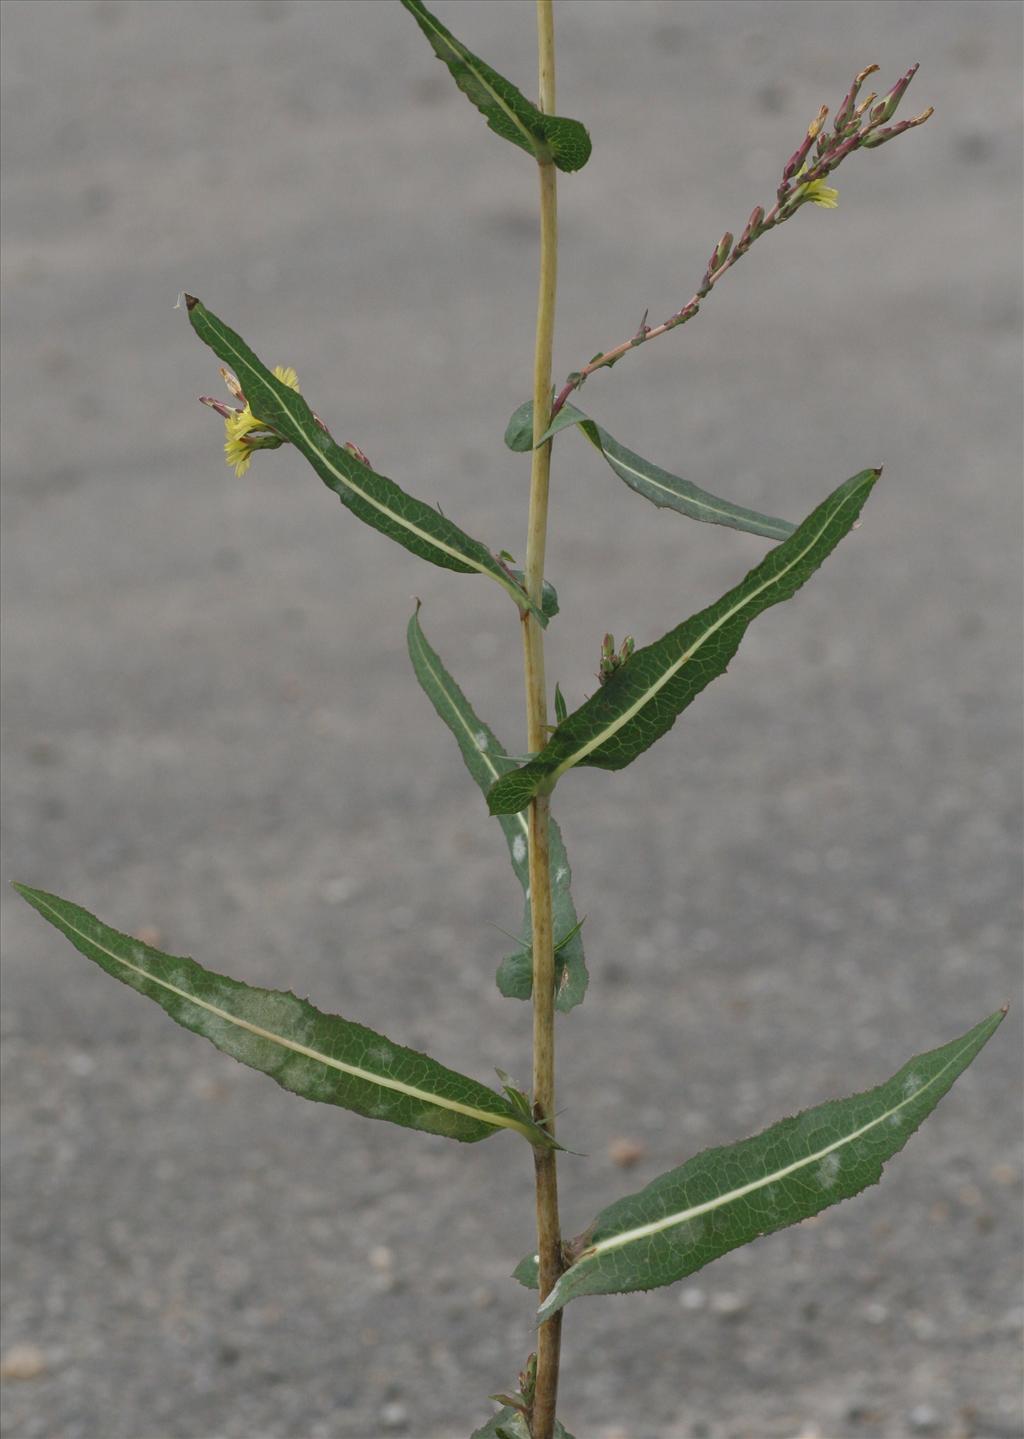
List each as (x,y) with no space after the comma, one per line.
(190,301)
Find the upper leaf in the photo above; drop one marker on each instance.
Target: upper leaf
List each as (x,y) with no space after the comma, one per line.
(374,498)
(726,1197)
(666,490)
(506,110)
(486,760)
(642,699)
(318,1056)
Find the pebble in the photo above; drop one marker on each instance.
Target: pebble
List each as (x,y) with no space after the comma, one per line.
(692,1298)
(381,1258)
(394,1415)
(924,1419)
(729,1306)
(626,1152)
(23,1361)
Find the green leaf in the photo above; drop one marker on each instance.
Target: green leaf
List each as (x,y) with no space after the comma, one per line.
(322,1057)
(548,594)
(642,699)
(730,1196)
(375,499)
(655,484)
(506,110)
(508,1423)
(487,761)
(519,430)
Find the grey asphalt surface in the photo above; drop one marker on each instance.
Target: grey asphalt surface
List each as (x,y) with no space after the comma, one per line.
(213,734)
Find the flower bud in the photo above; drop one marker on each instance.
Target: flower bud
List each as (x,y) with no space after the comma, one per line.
(844,115)
(887,109)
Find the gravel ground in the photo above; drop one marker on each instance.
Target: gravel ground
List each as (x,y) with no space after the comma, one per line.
(213,734)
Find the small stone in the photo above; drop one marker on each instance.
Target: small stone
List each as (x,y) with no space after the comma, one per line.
(692,1298)
(923,1419)
(394,1415)
(875,1313)
(1004,1173)
(23,1361)
(381,1258)
(729,1306)
(626,1152)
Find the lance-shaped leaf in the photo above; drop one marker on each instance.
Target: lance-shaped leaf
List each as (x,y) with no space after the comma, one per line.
(668,491)
(506,110)
(318,1056)
(643,698)
(729,1196)
(509,1423)
(486,760)
(375,499)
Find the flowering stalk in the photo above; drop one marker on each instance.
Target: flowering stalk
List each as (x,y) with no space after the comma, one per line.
(803,182)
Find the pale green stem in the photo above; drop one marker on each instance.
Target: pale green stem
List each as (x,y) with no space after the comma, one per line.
(549,1240)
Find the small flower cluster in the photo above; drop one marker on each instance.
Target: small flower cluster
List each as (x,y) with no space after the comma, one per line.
(803,179)
(243,431)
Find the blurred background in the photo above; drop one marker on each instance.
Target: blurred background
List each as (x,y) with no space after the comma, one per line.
(214,738)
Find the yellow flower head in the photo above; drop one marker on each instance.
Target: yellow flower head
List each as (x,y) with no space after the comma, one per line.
(240,423)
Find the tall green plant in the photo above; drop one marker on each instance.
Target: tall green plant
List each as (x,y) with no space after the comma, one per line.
(723,1197)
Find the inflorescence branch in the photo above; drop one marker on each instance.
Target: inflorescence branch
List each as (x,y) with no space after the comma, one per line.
(803,182)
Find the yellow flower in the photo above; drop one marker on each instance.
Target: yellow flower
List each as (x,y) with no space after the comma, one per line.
(816,191)
(820,194)
(240,423)
(236,452)
(287,376)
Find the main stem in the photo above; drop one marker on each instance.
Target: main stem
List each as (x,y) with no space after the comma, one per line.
(549,1239)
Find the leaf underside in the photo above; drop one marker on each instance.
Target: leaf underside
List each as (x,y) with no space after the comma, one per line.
(642,699)
(663,489)
(504,107)
(372,497)
(321,1057)
(485,758)
(730,1196)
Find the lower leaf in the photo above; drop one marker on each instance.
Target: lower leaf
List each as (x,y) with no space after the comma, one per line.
(318,1056)
(726,1197)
